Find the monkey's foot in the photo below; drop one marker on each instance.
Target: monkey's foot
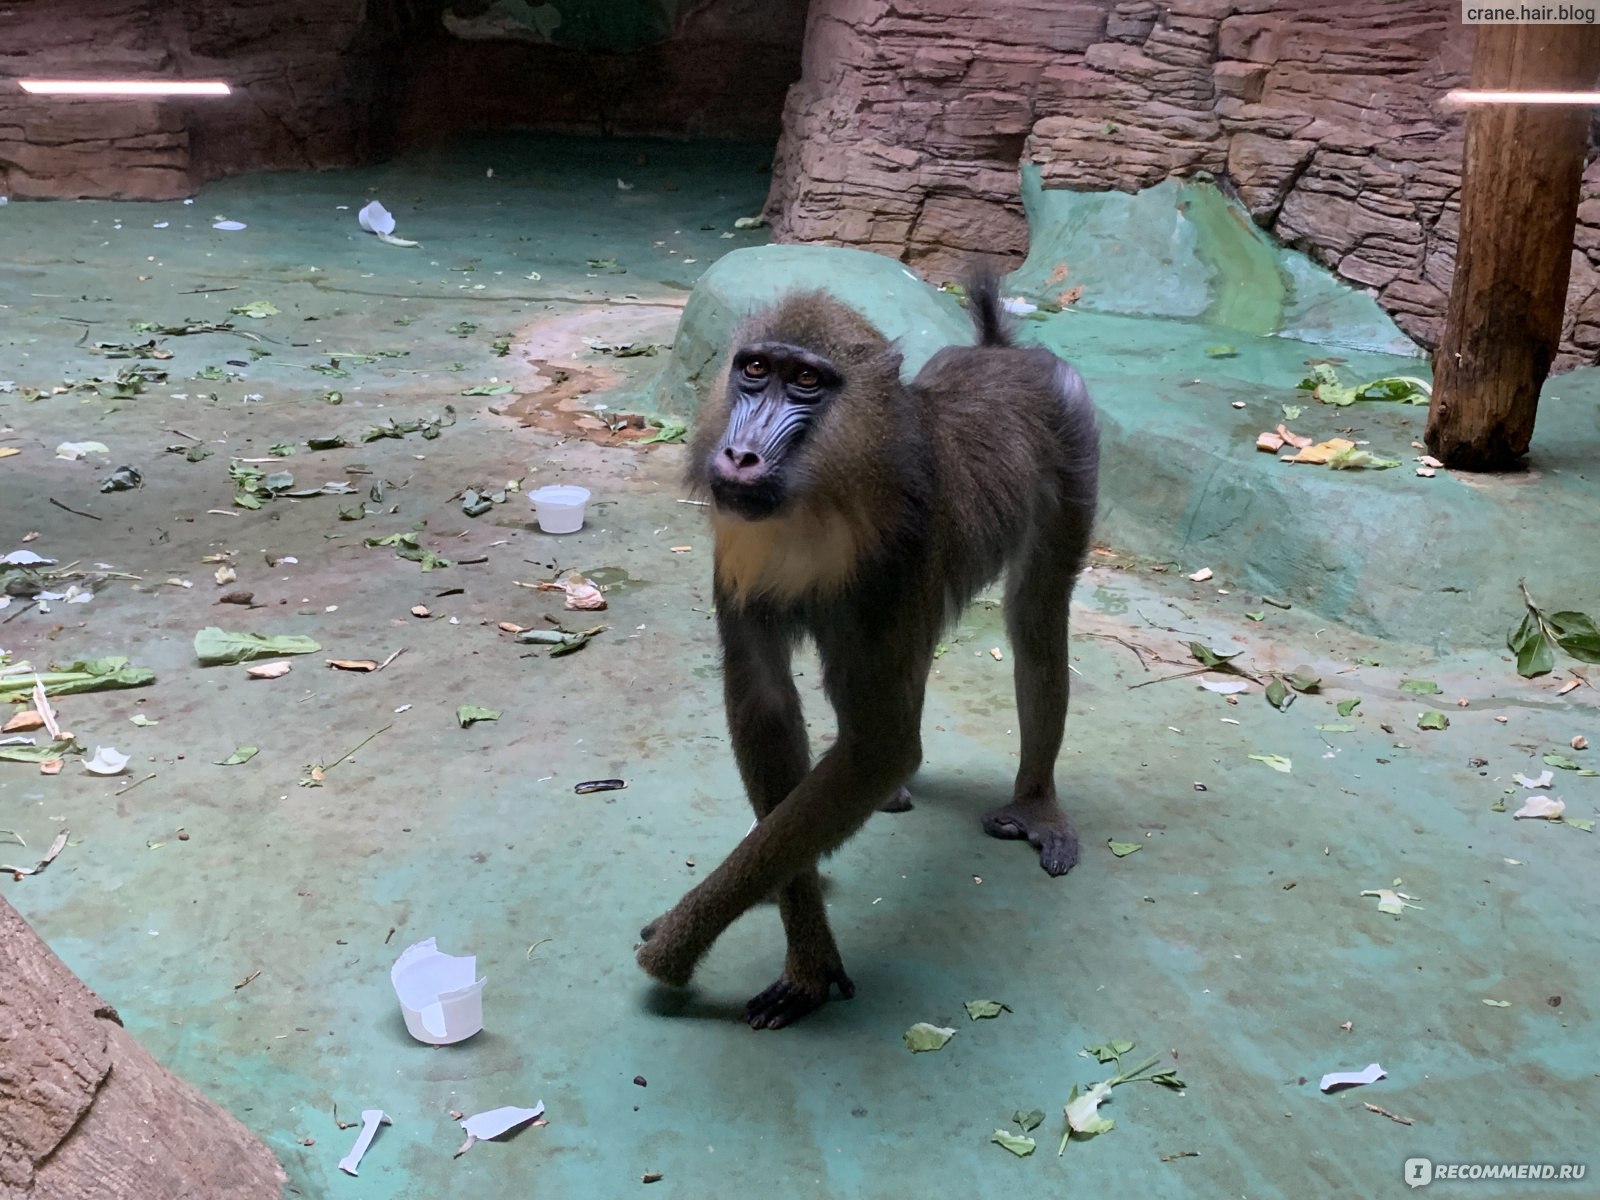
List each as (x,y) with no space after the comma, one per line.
(899,802)
(787,1000)
(661,958)
(1044,825)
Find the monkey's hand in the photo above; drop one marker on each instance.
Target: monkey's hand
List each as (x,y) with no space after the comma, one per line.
(667,955)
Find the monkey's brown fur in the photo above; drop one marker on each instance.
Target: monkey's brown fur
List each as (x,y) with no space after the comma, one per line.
(896,505)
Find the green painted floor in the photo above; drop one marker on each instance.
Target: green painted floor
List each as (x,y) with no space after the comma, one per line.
(1236,939)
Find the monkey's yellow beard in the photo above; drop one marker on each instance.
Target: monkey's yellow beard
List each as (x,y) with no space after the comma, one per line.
(786,558)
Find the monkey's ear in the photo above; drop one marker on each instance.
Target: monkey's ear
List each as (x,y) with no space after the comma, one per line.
(892,358)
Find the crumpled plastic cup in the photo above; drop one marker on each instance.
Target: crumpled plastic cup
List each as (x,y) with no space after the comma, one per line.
(560,507)
(440,999)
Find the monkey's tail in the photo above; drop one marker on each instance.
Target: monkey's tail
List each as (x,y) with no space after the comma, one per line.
(989,316)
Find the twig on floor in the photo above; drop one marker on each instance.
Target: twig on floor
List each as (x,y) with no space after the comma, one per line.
(30,607)
(387,661)
(330,766)
(75,512)
(1111,637)
(1384,1112)
(1179,675)
(135,784)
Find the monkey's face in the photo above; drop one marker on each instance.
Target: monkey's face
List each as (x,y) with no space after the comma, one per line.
(777,393)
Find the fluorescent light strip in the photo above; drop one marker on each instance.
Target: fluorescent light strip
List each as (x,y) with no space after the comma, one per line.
(1573,99)
(123,87)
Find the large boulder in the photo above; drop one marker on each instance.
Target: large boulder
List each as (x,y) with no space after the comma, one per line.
(891,297)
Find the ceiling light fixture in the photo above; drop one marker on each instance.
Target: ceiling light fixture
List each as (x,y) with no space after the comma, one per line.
(123,87)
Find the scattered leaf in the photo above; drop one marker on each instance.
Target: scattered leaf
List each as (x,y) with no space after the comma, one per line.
(1200,576)
(271,670)
(142,721)
(1083,1113)
(1321,453)
(979,1009)
(1421,687)
(1123,849)
(240,756)
(1561,761)
(1337,727)
(1020,1146)
(1349,705)
(1433,720)
(1543,780)
(1278,694)
(1355,457)
(923,1036)
(1110,1051)
(467,714)
(1498,1003)
(1276,761)
(1028,1121)
(256,309)
(1225,687)
(352,664)
(215,647)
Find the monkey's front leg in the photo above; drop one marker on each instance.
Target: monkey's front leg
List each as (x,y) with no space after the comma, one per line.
(832,802)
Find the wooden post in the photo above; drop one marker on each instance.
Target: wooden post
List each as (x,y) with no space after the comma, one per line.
(1520,179)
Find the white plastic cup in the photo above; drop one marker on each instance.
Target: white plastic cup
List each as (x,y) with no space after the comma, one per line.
(559,508)
(440,997)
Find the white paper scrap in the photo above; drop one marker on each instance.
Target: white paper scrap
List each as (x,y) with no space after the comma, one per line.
(1344,1079)
(371,1118)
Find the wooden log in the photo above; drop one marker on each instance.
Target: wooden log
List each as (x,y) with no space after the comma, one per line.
(1519,204)
(86,1112)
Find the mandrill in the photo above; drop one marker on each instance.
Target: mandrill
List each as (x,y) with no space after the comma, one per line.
(866,513)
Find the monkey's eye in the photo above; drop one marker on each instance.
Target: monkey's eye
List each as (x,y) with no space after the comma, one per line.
(807,379)
(756,368)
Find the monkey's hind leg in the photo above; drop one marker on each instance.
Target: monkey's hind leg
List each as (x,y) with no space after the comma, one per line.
(1038,595)
(768,731)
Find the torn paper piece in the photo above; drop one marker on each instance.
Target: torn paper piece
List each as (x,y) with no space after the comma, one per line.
(107,760)
(371,1118)
(1200,576)
(481,1127)
(1225,687)
(1543,781)
(439,997)
(1541,808)
(1392,902)
(25,558)
(229,226)
(1334,1080)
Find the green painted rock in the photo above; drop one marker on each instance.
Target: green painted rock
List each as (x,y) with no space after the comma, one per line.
(891,297)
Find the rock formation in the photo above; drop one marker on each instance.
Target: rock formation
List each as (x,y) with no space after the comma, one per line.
(905,132)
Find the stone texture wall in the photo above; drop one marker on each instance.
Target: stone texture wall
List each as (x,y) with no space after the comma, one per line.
(325,83)
(302,96)
(905,132)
